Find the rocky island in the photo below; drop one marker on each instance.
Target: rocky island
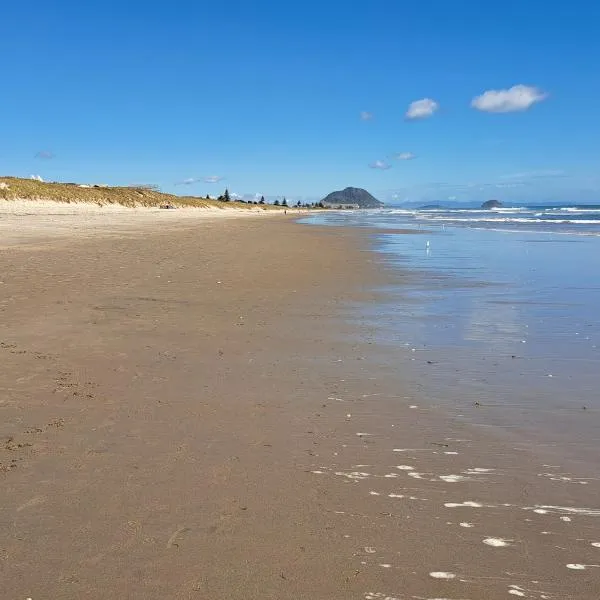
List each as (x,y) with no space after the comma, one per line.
(492,204)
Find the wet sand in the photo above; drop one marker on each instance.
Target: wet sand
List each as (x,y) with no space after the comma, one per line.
(197,411)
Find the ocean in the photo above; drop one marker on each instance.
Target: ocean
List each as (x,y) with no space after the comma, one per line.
(573,220)
(495,309)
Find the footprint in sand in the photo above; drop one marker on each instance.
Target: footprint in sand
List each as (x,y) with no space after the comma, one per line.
(33,502)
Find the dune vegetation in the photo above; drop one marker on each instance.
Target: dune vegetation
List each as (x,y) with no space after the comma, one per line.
(15,188)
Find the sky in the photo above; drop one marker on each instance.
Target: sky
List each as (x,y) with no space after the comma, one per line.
(413,101)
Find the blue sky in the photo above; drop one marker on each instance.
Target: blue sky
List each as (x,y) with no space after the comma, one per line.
(271,97)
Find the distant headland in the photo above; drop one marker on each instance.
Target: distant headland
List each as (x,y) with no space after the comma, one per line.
(351,198)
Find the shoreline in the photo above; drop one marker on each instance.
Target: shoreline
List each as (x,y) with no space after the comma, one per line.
(495,344)
(201,412)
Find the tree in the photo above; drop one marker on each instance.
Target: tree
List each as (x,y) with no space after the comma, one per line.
(208,196)
(262,200)
(298,204)
(226,197)
(284,202)
(276,203)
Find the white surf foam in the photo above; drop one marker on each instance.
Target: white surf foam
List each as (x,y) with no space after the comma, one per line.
(442,575)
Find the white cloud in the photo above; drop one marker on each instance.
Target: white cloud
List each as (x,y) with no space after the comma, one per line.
(188,181)
(380,164)
(513,184)
(515,99)
(405,156)
(37,178)
(254,197)
(421,109)
(45,155)
(150,187)
(541,174)
(366,115)
(193,180)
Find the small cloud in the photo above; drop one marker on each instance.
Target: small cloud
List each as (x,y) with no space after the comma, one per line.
(515,99)
(366,116)
(405,156)
(513,184)
(254,197)
(37,178)
(44,155)
(194,180)
(540,174)
(188,181)
(451,198)
(380,164)
(421,109)
(149,187)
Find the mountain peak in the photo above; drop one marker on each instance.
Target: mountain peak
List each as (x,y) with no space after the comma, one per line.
(351,196)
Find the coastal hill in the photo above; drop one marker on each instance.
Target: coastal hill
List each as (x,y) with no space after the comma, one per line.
(15,188)
(492,204)
(351,198)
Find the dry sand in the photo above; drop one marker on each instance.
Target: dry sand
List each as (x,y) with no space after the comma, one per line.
(30,221)
(194,410)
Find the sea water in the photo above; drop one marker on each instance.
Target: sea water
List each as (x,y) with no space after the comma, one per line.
(495,309)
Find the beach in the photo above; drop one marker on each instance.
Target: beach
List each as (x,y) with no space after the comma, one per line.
(198,407)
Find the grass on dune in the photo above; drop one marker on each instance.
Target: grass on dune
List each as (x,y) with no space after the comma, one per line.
(15,188)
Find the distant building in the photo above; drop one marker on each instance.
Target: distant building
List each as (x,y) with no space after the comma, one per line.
(338,206)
